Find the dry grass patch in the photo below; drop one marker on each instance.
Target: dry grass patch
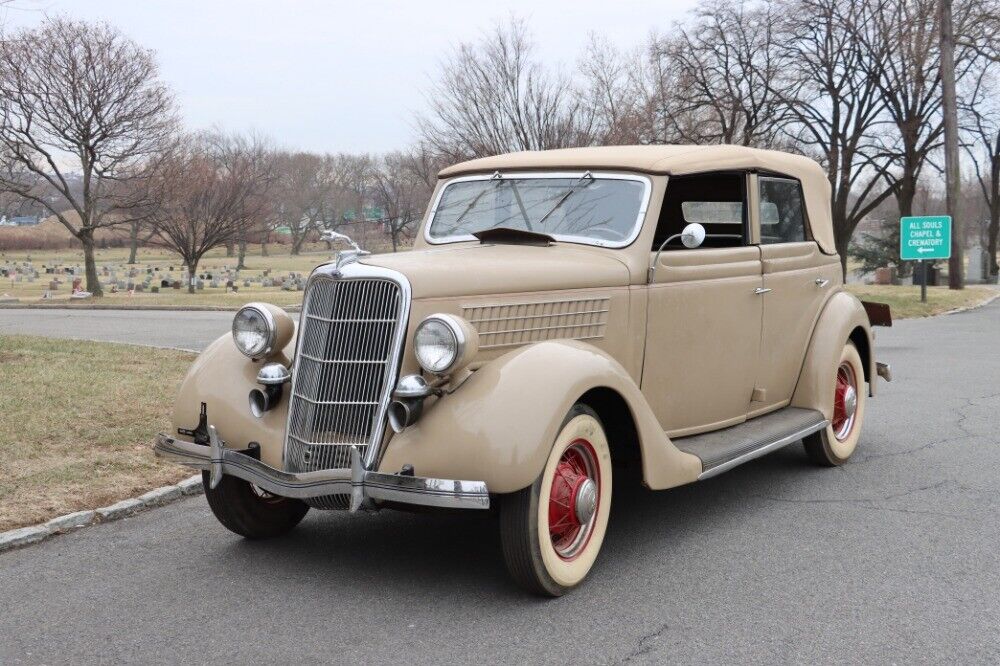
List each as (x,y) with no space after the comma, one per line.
(77,422)
(905,300)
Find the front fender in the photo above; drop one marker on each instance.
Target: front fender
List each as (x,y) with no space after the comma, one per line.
(842,315)
(500,424)
(222,378)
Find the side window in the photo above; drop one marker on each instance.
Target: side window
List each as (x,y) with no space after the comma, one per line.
(715,200)
(782,219)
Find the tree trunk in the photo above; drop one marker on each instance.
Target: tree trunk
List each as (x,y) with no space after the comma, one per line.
(993,232)
(263,248)
(86,237)
(907,193)
(952,167)
(395,240)
(192,274)
(297,240)
(242,254)
(133,242)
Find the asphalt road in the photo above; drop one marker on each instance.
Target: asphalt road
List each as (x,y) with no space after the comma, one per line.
(891,558)
(192,330)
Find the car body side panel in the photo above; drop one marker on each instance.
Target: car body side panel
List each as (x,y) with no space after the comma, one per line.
(802,279)
(842,314)
(499,425)
(702,338)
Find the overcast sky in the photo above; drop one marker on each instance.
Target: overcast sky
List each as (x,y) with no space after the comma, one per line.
(333,75)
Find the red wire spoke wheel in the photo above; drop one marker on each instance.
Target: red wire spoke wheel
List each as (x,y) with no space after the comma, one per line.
(552,530)
(834,444)
(574,499)
(845,402)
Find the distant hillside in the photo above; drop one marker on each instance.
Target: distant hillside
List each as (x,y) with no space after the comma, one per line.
(50,234)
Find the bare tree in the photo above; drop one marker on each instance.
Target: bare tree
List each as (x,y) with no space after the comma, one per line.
(233,151)
(901,37)
(305,190)
(353,178)
(980,111)
(210,195)
(493,97)
(79,99)
(401,193)
(725,66)
(837,109)
(614,93)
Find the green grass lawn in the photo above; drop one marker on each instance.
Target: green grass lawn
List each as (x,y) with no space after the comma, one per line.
(77,422)
(905,300)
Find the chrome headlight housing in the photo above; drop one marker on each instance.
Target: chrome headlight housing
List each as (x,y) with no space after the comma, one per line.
(254,330)
(444,343)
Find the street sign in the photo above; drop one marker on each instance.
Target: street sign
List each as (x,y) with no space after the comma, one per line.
(925,237)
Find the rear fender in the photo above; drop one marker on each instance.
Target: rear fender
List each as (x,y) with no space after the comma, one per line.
(843,319)
(499,425)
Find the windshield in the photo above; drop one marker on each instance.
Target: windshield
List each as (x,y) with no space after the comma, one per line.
(602,210)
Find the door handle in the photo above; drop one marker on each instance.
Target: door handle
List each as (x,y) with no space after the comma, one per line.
(821,282)
(761,290)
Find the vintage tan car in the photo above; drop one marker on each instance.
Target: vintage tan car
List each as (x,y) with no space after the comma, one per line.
(562,314)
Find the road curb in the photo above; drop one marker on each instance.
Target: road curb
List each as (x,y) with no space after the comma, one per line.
(969,307)
(26,536)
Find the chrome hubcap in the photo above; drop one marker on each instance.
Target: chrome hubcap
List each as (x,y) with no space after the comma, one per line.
(586,501)
(845,402)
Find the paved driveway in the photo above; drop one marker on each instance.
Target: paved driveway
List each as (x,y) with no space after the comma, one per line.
(892,558)
(181,329)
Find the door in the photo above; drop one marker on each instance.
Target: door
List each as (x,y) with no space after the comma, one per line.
(704,316)
(799,278)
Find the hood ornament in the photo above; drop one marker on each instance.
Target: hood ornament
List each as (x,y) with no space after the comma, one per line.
(344,257)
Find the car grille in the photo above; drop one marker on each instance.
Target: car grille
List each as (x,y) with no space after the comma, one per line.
(347,359)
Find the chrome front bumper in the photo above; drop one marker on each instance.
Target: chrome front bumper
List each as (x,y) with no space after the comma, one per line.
(366,488)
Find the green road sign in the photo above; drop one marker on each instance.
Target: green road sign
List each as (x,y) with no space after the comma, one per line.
(925,237)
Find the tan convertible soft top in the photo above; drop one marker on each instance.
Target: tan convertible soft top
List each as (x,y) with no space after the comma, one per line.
(676,160)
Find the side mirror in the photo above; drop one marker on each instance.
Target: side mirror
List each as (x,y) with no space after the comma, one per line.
(693,235)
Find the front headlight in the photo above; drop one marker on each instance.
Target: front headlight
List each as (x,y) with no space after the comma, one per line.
(254,330)
(444,343)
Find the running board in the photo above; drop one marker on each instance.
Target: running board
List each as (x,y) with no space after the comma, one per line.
(722,450)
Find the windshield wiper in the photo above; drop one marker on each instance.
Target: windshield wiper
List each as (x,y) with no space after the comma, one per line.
(513,236)
(573,188)
(468,209)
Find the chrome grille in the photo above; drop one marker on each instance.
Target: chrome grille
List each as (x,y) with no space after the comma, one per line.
(349,334)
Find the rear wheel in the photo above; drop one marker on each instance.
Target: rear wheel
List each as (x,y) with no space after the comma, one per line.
(833,445)
(247,510)
(552,530)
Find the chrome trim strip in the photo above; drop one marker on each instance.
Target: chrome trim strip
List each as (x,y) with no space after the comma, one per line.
(330,271)
(363,485)
(764,450)
(584,240)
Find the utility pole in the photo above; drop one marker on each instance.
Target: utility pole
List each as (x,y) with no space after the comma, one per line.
(956,265)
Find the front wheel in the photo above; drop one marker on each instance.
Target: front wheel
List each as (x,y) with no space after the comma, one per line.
(552,530)
(834,444)
(253,513)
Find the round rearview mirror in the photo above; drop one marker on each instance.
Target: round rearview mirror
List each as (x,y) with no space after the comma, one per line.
(693,235)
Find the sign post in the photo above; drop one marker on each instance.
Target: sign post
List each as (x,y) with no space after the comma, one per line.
(923,239)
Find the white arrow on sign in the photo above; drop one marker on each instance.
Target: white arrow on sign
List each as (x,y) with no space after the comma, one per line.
(921,250)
